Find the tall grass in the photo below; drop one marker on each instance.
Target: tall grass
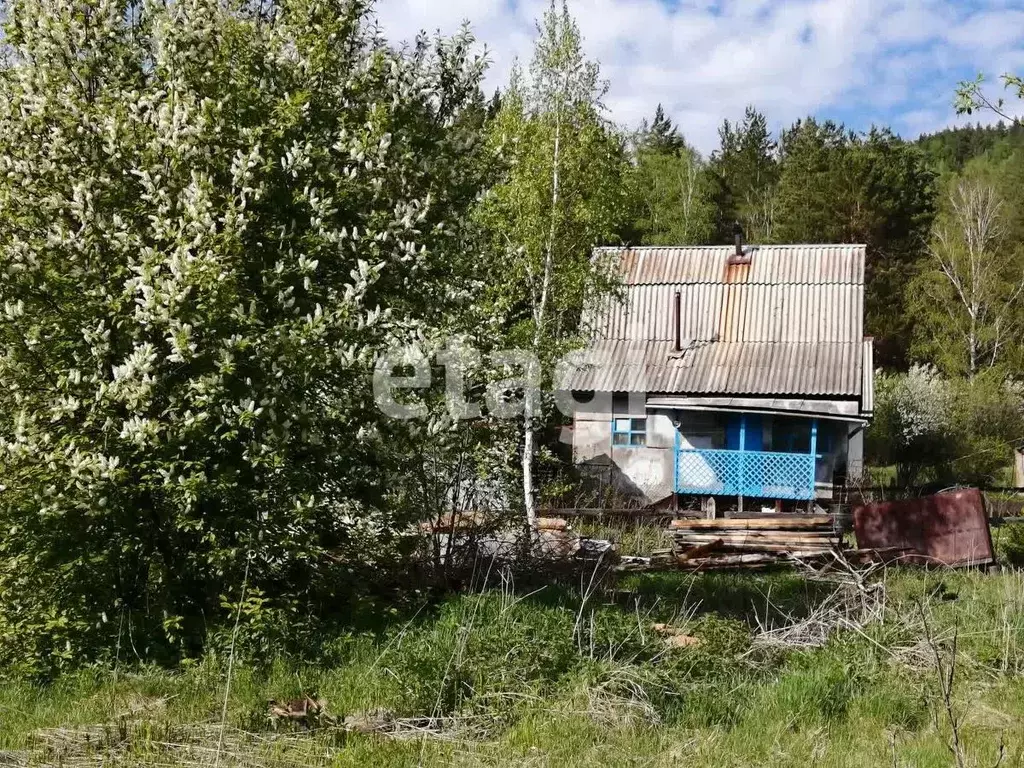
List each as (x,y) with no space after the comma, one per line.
(571,677)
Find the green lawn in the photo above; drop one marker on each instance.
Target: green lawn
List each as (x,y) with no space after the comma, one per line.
(527,677)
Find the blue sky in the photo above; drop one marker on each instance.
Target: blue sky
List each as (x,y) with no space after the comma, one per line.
(863,62)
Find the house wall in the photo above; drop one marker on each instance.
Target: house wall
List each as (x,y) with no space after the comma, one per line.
(648,472)
(855,456)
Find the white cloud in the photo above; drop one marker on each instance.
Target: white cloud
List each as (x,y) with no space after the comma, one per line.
(860,61)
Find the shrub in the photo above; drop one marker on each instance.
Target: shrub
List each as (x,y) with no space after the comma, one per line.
(1009,544)
(209,226)
(945,431)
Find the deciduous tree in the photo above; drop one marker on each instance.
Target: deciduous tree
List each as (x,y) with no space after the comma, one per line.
(673,188)
(562,193)
(213,216)
(975,281)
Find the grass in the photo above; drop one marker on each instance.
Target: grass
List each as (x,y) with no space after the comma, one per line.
(636,537)
(538,678)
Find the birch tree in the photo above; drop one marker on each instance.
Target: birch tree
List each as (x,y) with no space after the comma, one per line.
(977,278)
(561,193)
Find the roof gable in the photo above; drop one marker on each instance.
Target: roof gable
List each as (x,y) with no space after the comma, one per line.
(805,293)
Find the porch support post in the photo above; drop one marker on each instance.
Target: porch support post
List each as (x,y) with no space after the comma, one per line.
(743,462)
(675,466)
(814,456)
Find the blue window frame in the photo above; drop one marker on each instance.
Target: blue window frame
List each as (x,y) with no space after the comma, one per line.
(628,431)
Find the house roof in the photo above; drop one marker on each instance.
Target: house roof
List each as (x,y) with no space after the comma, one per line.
(770,264)
(789,322)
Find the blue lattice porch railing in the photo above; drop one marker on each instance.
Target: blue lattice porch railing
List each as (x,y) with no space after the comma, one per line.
(762,474)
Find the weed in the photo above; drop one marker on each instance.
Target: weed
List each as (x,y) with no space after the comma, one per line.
(567,676)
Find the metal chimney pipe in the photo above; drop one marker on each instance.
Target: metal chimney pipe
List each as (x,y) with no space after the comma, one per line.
(737,232)
(677,320)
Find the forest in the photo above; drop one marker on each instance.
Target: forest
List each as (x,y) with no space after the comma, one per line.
(216,217)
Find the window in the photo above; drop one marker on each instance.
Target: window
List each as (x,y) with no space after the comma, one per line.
(629,431)
(791,435)
(702,429)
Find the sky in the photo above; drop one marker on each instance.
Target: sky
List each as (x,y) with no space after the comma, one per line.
(861,62)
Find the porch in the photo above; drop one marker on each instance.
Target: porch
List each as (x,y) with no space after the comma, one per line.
(744,468)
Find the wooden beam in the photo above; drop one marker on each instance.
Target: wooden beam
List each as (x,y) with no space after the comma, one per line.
(767,522)
(779,547)
(700,550)
(753,535)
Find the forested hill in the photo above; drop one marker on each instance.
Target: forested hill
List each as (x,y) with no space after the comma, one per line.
(952,148)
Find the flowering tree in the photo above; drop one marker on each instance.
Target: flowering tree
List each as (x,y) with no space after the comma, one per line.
(945,430)
(212,217)
(912,428)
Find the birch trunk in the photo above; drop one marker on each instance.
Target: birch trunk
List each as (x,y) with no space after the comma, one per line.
(540,311)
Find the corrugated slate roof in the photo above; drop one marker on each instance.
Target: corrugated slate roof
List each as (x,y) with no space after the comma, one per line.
(776,264)
(798,312)
(789,322)
(734,368)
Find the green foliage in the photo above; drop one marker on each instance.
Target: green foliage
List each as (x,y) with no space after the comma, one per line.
(951,149)
(210,223)
(1008,541)
(674,191)
(480,649)
(854,701)
(560,191)
(971,97)
(968,298)
(745,169)
(661,136)
(838,187)
(944,431)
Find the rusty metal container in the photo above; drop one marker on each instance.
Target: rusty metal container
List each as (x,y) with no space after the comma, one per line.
(948,529)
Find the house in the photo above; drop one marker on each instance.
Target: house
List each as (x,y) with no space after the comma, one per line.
(727,371)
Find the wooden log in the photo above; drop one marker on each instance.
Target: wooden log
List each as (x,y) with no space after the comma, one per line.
(551,524)
(700,550)
(768,522)
(696,539)
(726,560)
(751,560)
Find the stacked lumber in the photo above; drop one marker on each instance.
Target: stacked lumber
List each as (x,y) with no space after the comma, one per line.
(751,542)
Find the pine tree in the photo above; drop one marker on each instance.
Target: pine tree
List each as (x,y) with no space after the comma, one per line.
(661,136)
(745,168)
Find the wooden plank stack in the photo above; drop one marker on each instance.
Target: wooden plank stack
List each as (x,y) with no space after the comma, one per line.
(752,542)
